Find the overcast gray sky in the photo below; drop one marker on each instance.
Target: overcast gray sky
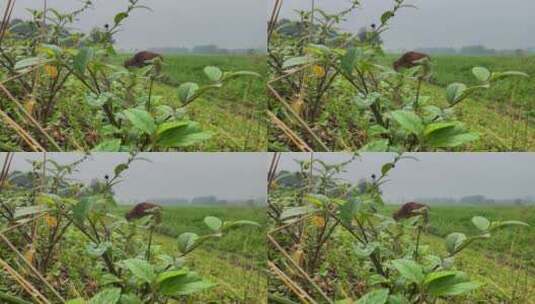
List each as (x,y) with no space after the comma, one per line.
(504,24)
(495,175)
(173,23)
(172,175)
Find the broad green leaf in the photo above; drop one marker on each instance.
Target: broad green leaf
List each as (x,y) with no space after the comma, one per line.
(451,285)
(120,169)
(187,91)
(141,120)
(184,285)
(455,92)
(349,209)
(296,61)
(98,250)
(112,145)
(481,73)
(213,223)
(141,269)
(186,241)
(130,299)
(365,251)
(454,241)
(439,126)
(75,301)
(449,136)
(481,223)
(181,134)
(350,59)
(213,73)
(82,59)
(438,275)
(397,299)
(410,270)
(386,168)
(409,121)
(29,62)
(107,296)
(32,210)
(379,296)
(387,16)
(381,145)
(120,17)
(296,211)
(82,209)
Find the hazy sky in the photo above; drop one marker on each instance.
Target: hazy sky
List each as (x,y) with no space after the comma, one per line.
(495,175)
(173,23)
(436,23)
(172,175)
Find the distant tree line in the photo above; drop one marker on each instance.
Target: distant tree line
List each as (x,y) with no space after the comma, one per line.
(475,50)
(207,49)
(478,200)
(209,200)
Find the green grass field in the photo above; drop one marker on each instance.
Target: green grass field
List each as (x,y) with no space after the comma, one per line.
(235,114)
(504,264)
(499,114)
(235,262)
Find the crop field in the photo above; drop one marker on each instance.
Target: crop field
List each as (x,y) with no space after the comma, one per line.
(503,114)
(63,241)
(333,90)
(234,114)
(235,262)
(332,241)
(65,90)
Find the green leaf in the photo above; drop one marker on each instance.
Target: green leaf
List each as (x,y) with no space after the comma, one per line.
(410,270)
(181,134)
(387,16)
(454,241)
(386,168)
(409,121)
(232,75)
(445,135)
(481,223)
(29,62)
(107,296)
(481,73)
(455,92)
(141,120)
(451,285)
(186,241)
(141,269)
(379,296)
(120,17)
(504,224)
(350,59)
(82,209)
(502,75)
(296,61)
(112,145)
(380,145)
(213,223)
(130,299)
(98,250)
(439,275)
(120,169)
(213,73)
(186,91)
(82,59)
(296,211)
(75,301)
(182,285)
